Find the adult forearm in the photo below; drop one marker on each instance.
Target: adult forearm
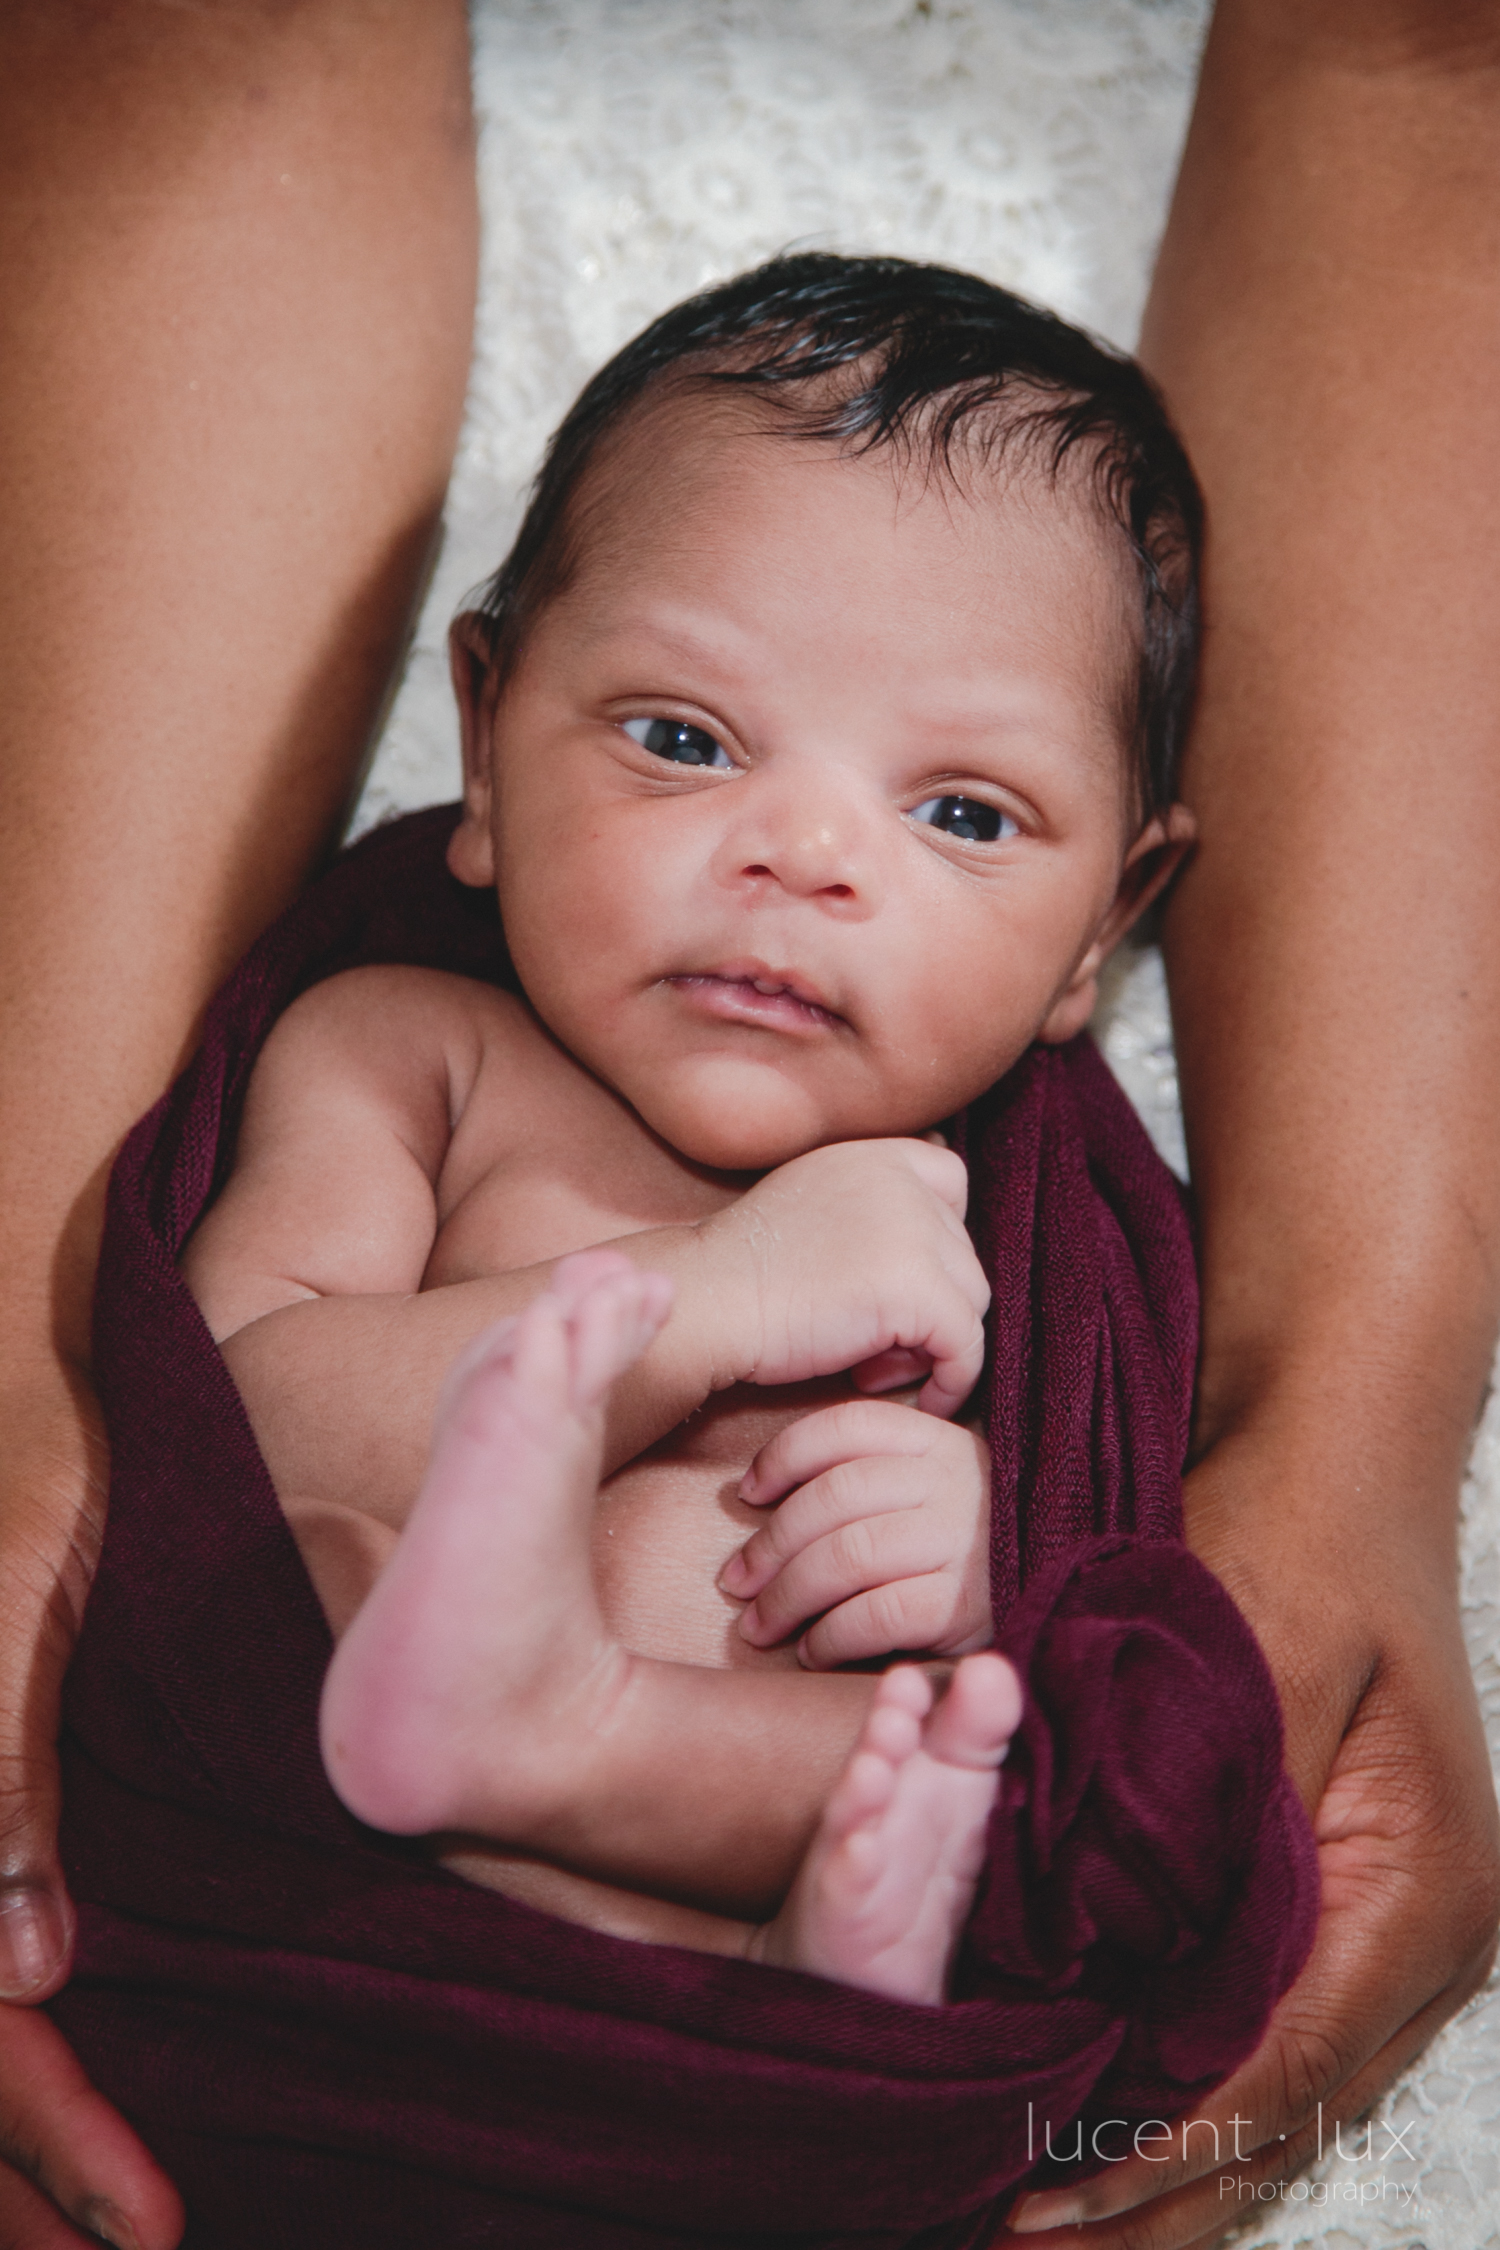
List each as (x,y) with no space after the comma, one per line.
(1326,324)
(236,279)
(238,254)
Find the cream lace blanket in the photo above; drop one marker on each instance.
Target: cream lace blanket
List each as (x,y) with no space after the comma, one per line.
(633,150)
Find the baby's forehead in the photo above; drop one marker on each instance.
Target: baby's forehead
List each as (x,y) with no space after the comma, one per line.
(727,561)
(694,462)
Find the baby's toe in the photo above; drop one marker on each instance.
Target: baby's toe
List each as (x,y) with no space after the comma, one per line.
(610,1327)
(973,1724)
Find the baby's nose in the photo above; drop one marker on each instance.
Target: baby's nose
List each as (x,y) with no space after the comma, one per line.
(806,849)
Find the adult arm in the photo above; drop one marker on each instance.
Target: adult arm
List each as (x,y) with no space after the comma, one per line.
(236,283)
(1326,323)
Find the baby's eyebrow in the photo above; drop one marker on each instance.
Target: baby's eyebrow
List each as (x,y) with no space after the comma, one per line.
(1001,720)
(958,727)
(706,647)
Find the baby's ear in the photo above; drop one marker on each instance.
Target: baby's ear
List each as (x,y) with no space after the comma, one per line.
(1151,862)
(471,850)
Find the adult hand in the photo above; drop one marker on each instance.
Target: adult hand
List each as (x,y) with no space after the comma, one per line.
(1383,1738)
(63,2150)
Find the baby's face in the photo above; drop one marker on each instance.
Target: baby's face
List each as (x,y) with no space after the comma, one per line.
(807,800)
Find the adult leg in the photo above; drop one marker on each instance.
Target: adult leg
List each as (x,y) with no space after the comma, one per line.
(237,252)
(1326,322)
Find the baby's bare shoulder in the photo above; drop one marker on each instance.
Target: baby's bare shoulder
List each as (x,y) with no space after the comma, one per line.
(393,1028)
(389,1007)
(350,1115)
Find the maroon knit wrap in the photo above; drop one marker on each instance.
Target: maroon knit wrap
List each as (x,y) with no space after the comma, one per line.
(328,2040)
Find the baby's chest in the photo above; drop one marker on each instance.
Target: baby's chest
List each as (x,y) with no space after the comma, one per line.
(544,1161)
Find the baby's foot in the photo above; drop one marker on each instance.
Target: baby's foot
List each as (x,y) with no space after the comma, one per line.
(471,1682)
(885,1889)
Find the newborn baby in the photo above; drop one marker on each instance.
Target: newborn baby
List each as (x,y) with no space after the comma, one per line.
(818,743)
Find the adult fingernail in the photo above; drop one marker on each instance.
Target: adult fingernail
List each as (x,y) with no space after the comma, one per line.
(109,2222)
(1035,2213)
(33,1941)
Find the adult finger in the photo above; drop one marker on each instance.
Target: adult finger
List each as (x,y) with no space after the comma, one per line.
(53,1479)
(1405,1936)
(68,2142)
(36,1636)
(28,2221)
(1193,2215)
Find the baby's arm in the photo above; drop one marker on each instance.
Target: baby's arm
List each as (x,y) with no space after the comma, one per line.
(309,1268)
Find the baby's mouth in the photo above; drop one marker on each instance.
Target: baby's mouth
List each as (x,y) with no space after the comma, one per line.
(755,995)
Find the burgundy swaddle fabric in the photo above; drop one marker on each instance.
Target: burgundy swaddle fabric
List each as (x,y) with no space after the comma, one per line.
(329,2040)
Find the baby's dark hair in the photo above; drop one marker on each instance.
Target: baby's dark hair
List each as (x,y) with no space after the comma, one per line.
(876,351)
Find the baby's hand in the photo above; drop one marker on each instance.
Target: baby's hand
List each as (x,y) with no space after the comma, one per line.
(884,1539)
(853,1256)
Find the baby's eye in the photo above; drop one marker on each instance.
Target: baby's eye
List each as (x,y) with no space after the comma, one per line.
(966,817)
(673,738)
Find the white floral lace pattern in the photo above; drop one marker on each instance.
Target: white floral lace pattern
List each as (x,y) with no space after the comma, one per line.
(632,151)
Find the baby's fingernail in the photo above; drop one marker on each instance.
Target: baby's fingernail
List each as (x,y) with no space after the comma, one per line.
(109,2222)
(1035,2213)
(33,1940)
(733,1573)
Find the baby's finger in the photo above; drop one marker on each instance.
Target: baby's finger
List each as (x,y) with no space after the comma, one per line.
(965,1273)
(894,1370)
(955,1371)
(854,1430)
(847,1492)
(862,1556)
(909,1614)
(949,1330)
(939,1169)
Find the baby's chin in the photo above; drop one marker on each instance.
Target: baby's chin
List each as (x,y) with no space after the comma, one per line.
(752,1121)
